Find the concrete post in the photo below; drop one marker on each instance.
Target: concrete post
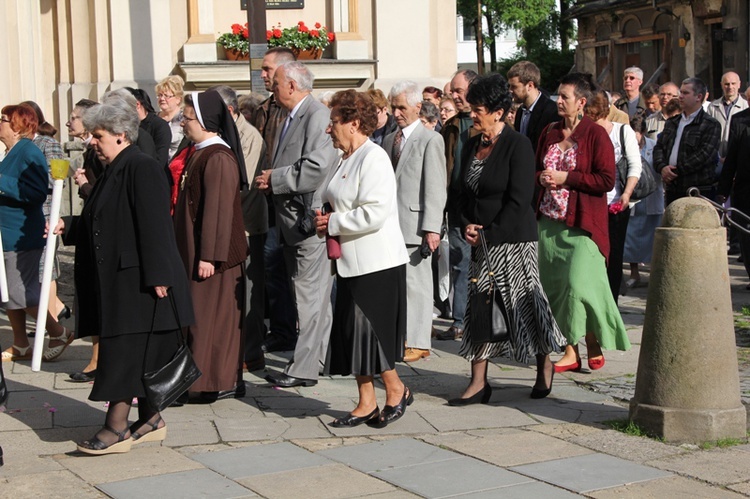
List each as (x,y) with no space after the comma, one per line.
(687,388)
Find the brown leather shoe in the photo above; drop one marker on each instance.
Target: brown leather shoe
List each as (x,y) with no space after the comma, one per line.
(453,333)
(414,354)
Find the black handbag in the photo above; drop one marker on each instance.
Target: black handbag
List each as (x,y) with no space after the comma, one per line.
(646,184)
(166,384)
(489,322)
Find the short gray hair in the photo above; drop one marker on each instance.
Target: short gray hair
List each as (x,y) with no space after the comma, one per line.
(699,86)
(122,94)
(635,70)
(228,95)
(429,111)
(409,88)
(115,117)
(299,73)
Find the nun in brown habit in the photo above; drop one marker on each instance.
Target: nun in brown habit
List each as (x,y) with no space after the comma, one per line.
(212,244)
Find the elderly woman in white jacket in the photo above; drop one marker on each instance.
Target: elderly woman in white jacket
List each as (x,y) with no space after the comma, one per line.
(369,323)
(626,149)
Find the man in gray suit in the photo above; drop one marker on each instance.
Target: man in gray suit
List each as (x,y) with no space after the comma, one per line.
(418,157)
(302,159)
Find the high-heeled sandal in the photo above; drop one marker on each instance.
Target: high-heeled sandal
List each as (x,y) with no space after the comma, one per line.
(156,434)
(98,448)
(24,353)
(390,414)
(51,353)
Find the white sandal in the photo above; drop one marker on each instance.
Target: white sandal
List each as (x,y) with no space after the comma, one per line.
(51,353)
(24,353)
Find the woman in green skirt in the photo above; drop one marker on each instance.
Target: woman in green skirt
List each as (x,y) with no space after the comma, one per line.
(576,168)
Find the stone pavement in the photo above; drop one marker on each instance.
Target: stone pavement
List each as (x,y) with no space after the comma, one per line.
(276,443)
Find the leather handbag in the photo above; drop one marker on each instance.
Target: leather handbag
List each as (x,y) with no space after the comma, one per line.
(646,184)
(489,323)
(163,386)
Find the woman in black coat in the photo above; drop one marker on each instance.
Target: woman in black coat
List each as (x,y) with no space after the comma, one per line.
(496,198)
(126,262)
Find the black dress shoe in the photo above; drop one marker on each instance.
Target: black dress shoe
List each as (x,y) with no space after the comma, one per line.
(482,396)
(83,377)
(350,420)
(285,381)
(389,414)
(255,364)
(181,400)
(277,344)
(64,314)
(235,393)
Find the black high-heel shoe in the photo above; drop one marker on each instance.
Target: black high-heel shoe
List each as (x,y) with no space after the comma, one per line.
(64,313)
(482,396)
(540,394)
(350,420)
(389,414)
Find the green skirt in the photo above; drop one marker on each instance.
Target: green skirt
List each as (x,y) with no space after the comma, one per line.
(574,276)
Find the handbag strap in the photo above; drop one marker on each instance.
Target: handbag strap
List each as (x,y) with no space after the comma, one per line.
(486,254)
(178,332)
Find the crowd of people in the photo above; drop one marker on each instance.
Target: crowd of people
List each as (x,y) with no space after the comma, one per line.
(332,220)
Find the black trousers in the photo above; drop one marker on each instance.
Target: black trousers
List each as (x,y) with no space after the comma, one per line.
(618,227)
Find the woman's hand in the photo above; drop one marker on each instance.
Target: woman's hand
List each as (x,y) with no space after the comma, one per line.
(472,234)
(161,291)
(59,228)
(80,177)
(321,223)
(205,269)
(546,179)
(624,200)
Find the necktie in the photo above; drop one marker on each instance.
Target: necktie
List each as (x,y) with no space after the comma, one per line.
(287,121)
(525,121)
(396,153)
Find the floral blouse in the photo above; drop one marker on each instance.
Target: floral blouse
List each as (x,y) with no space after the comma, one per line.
(555,202)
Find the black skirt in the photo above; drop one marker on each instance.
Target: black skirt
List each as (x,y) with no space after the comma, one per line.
(120,369)
(369,323)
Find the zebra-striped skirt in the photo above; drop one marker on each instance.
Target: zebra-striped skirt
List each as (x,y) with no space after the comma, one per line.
(532,326)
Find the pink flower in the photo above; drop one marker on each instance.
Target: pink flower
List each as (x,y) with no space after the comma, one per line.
(615,208)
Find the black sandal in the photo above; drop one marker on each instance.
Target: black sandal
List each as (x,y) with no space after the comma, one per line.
(156,434)
(98,448)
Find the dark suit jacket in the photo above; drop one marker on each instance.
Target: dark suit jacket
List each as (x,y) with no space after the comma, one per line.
(735,175)
(504,204)
(544,113)
(125,245)
(161,134)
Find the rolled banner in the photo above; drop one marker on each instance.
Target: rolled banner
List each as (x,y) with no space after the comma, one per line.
(59,170)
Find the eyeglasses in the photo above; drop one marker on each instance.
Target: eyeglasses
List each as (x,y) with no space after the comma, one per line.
(629,77)
(185,119)
(164,96)
(334,122)
(4,120)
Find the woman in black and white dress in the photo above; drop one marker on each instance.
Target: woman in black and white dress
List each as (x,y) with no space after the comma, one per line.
(497,192)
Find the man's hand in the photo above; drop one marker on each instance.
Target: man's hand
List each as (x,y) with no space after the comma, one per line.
(433,240)
(668,173)
(263,181)
(205,269)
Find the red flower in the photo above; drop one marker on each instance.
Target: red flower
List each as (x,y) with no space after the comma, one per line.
(314,33)
(304,29)
(277,33)
(244,33)
(236,28)
(615,208)
(331,36)
(269,34)
(317,25)
(301,23)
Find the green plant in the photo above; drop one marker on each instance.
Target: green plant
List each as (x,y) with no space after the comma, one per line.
(722,443)
(746,310)
(300,37)
(628,427)
(236,40)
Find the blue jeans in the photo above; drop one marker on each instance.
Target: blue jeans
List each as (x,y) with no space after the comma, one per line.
(281,310)
(460,253)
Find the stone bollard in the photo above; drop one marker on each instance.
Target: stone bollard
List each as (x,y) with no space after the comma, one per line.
(687,388)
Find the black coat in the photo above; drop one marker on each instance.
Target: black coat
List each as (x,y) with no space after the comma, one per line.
(504,203)
(160,132)
(125,245)
(544,113)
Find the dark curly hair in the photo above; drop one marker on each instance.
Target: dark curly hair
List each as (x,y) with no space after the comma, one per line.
(351,105)
(583,83)
(491,92)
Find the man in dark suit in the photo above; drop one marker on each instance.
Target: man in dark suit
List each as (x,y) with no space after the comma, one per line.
(537,110)
(301,160)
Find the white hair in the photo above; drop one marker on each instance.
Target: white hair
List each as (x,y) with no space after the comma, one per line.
(121,94)
(634,70)
(299,73)
(409,88)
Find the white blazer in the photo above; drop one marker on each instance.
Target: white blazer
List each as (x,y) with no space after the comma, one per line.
(362,193)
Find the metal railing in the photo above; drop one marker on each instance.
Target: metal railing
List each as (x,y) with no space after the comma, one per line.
(724,212)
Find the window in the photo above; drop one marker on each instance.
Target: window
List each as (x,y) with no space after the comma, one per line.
(468,33)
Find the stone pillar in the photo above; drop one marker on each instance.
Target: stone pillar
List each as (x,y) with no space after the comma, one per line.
(687,387)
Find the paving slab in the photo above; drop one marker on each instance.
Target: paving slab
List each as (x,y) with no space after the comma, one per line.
(260,459)
(632,448)
(537,490)
(180,434)
(475,416)
(200,483)
(565,431)
(451,477)
(31,381)
(50,485)
(389,454)
(589,472)
(410,423)
(140,462)
(659,488)
(24,419)
(332,481)
(493,446)
(718,466)
(293,407)
(743,488)
(319,444)
(259,428)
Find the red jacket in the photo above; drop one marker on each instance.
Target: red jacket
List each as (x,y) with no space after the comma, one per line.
(593,177)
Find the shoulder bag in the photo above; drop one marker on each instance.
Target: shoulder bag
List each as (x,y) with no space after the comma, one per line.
(489,323)
(166,384)
(646,184)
